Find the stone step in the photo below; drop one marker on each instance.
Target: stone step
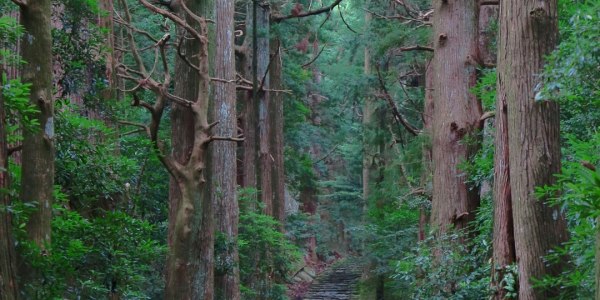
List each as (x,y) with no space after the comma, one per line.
(338,283)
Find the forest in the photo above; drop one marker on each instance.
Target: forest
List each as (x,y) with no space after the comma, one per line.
(299,149)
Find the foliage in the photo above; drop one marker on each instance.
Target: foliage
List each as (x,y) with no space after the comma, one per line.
(571,75)
(443,266)
(86,165)
(92,257)
(266,255)
(577,192)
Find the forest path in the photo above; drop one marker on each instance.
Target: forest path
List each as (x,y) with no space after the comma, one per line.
(338,283)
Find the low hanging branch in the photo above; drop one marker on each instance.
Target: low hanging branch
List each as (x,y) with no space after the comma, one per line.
(327,9)
(397,116)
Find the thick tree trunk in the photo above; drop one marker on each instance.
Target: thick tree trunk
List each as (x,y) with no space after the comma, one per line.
(189,267)
(8,269)
(37,177)
(456,114)
(223,162)
(528,32)
(190,264)
(504,239)
(182,118)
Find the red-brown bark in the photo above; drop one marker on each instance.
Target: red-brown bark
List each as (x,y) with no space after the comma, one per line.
(456,114)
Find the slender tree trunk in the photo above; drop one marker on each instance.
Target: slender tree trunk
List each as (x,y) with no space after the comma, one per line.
(426,148)
(223,162)
(504,239)
(264,99)
(597,256)
(276,113)
(457,112)
(105,20)
(367,119)
(37,177)
(8,270)
(528,32)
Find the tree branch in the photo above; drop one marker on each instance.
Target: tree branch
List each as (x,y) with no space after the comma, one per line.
(327,9)
(399,118)
(20,3)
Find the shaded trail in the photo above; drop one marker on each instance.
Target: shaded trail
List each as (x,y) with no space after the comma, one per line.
(338,283)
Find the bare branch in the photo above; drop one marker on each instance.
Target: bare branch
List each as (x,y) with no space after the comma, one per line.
(175,19)
(20,3)
(344,20)
(182,55)
(224,138)
(179,100)
(314,58)
(416,48)
(399,118)
(14,149)
(487,115)
(327,9)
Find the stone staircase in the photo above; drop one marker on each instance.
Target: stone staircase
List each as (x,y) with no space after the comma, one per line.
(338,283)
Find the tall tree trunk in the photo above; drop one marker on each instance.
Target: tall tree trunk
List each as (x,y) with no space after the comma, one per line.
(264,131)
(37,177)
(105,20)
(8,274)
(426,148)
(528,32)
(223,162)
(190,265)
(457,111)
(367,119)
(276,113)
(597,256)
(504,239)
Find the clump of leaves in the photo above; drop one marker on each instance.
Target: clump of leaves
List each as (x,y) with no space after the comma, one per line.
(266,255)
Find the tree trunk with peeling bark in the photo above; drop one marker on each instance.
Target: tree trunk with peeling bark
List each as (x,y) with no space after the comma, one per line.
(223,156)
(528,32)
(457,112)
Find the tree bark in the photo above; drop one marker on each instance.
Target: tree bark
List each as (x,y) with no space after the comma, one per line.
(528,32)
(504,239)
(264,99)
(367,119)
(597,256)
(190,264)
(37,179)
(8,269)
(277,143)
(223,162)
(426,148)
(456,114)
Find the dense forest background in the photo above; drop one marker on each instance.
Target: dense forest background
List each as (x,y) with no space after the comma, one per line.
(198,149)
